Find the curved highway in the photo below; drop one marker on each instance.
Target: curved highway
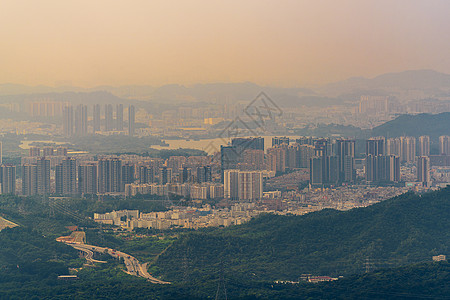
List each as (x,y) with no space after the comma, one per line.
(132,264)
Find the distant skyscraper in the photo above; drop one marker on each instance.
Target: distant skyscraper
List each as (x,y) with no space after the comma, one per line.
(119,117)
(43,176)
(280,140)
(382,168)
(231,184)
(305,140)
(35,151)
(204,174)
(324,170)
(371,168)
(96,120)
(81,120)
(345,152)
(29,179)
(48,151)
(317,174)
(66,177)
(109,175)
(8,179)
(242,144)
(332,169)
(250,185)
(116,175)
(424,145)
(408,153)
(276,158)
(304,156)
(68,121)
(176,162)
(242,185)
(392,168)
(61,151)
(374,105)
(127,175)
(131,120)
(36,178)
(292,156)
(394,147)
(423,170)
(321,148)
(87,178)
(375,146)
(252,160)
(444,145)
(1,153)
(146,174)
(109,123)
(184,175)
(229,157)
(165,175)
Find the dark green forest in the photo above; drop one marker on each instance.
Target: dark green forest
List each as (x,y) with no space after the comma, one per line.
(392,240)
(406,229)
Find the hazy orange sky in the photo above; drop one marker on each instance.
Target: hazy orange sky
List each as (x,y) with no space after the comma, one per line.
(278,43)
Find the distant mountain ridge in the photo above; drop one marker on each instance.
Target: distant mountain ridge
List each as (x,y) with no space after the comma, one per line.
(95,97)
(431,83)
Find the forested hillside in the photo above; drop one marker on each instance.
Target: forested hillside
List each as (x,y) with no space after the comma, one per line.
(406,229)
(247,259)
(415,125)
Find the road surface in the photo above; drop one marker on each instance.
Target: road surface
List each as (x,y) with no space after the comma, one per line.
(6,224)
(131,263)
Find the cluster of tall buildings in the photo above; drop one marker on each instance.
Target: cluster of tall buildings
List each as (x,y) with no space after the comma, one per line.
(247,154)
(240,167)
(7,179)
(36,177)
(106,175)
(444,145)
(382,167)
(335,166)
(384,156)
(328,165)
(376,105)
(332,162)
(404,148)
(75,121)
(385,105)
(44,108)
(47,151)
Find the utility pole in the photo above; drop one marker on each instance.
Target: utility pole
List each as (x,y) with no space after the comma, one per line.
(186,266)
(221,284)
(367,265)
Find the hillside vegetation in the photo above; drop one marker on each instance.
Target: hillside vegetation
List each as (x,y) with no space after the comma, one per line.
(401,231)
(433,125)
(405,229)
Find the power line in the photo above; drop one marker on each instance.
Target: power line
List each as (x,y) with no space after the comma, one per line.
(221,284)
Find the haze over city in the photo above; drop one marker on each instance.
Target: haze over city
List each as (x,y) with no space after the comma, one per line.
(275,43)
(224,149)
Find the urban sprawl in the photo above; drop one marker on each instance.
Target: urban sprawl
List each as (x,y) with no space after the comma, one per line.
(234,181)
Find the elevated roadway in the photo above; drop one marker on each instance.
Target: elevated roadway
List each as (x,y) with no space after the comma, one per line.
(131,263)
